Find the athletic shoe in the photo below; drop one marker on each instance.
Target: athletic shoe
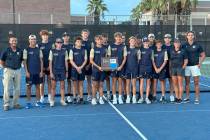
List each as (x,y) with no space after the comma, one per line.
(52,103)
(6,108)
(147,101)
(108,96)
(141,100)
(196,102)
(176,101)
(120,100)
(172,98)
(69,99)
(163,99)
(39,104)
(154,99)
(80,101)
(134,99)
(128,100)
(186,100)
(74,101)
(124,97)
(28,106)
(42,99)
(93,102)
(101,101)
(114,100)
(89,98)
(63,103)
(49,98)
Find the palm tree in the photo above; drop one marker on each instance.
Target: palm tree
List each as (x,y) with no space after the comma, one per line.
(160,7)
(96,8)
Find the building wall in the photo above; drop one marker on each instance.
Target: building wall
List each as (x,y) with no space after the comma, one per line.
(35,11)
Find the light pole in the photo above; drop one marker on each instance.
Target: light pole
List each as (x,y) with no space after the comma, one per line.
(13,10)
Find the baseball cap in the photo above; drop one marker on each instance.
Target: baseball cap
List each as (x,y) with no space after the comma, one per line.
(65,34)
(151,35)
(32,37)
(145,39)
(167,36)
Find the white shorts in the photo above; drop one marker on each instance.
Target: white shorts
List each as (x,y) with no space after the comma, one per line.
(192,71)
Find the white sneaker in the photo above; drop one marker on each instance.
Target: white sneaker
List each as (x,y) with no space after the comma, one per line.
(42,99)
(172,99)
(69,99)
(128,100)
(93,102)
(63,103)
(49,98)
(101,101)
(141,100)
(89,98)
(134,100)
(97,96)
(52,103)
(148,101)
(114,100)
(120,100)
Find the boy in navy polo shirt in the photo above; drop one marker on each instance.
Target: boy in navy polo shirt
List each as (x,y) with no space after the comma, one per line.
(68,46)
(159,61)
(118,50)
(58,63)
(98,75)
(33,64)
(11,60)
(145,70)
(86,44)
(78,60)
(45,46)
(168,46)
(106,45)
(131,69)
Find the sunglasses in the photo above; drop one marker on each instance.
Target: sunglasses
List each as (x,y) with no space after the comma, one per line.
(59,42)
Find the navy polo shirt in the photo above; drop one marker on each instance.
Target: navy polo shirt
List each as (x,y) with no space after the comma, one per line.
(12,59)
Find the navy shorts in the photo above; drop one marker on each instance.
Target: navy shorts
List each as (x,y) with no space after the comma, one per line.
(145,73)
(131,75)
(161,76)
(98,76)
(59,77)
(75,76)
(177,72)
(118,74)
(34,79)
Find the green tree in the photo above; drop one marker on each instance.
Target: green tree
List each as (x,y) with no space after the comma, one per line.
(96,8)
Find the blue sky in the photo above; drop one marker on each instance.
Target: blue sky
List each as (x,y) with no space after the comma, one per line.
(116,7)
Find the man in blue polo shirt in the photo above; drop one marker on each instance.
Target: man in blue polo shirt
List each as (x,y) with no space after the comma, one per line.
(11,59)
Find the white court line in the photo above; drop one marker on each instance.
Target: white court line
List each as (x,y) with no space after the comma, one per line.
(128,122)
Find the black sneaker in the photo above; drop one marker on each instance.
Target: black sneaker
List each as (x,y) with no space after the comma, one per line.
(74,101)
(154,99)
(80,101)
(176,101)
(163,99)
(186,100)
(150,97)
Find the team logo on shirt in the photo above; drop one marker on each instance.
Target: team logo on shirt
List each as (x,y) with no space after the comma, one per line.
(156,55)
(18,53)
(98,52)
(114,49)
(76,53)
(128,52)
(55,54)
(143,52)
(42,47)
(31,53)
(194,46)
(179,52)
